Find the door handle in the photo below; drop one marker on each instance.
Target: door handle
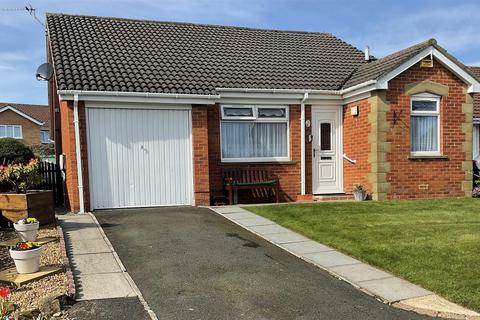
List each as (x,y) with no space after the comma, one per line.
(314,152)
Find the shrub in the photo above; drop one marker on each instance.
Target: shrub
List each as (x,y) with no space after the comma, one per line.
(476,192)
(20,177)
(13,151)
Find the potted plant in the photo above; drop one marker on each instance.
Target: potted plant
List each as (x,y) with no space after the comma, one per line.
(359,192)
(6,308)
(26,256)
(27,229)
(20,199)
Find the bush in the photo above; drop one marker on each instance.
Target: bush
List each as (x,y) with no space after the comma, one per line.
(13,151)
(20,177)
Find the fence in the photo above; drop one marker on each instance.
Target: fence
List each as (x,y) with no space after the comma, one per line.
(52,180)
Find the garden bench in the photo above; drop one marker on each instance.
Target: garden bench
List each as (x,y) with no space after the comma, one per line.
(260,181)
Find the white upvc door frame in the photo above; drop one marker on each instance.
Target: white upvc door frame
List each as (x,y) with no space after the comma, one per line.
(316,111)
(476,142)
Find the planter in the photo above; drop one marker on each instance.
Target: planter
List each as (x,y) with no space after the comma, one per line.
(27,261)
(359,195)
(27,232)
(33,204)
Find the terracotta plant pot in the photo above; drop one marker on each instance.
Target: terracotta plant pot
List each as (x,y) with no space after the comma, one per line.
(27,261)
(27,232)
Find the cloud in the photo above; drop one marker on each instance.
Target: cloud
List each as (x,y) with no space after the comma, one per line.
(446,24)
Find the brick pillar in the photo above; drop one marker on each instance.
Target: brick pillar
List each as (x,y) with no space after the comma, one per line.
(201,181)
(68,149)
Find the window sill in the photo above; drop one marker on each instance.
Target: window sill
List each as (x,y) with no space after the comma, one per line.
(427,157)
(257,163)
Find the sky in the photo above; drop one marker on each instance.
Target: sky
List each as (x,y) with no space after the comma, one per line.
(384,25)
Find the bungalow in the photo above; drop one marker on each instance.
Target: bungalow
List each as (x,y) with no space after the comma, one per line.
(150,113)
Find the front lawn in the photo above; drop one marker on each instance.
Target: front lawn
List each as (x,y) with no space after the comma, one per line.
(434,243)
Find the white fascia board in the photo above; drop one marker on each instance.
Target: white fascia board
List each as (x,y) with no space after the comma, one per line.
(455,68)
(138,97)
(476,120)
(474,85)
(20,113)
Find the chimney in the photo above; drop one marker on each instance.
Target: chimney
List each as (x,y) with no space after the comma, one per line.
(367,53)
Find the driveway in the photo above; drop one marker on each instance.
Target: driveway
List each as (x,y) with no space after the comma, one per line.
(191,263)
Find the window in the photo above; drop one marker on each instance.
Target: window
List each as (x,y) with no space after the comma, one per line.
(254,133)
(10,131)
(45,136)
(425,124)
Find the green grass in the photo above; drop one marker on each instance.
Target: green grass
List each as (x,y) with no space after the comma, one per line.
(433,243)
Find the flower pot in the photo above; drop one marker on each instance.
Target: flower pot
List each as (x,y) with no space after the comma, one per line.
(27,261)
(359,195)
(27,232)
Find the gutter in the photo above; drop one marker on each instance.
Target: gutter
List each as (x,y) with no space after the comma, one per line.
(69,94)
(78,153)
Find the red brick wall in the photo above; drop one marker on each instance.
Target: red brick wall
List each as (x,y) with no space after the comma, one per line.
(289,173)
(68,148)
(356,146)
(426,178)
(200,136)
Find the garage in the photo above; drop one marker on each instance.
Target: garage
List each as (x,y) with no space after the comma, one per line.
(139,157)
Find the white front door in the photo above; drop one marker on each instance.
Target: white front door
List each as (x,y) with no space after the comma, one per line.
(327,150)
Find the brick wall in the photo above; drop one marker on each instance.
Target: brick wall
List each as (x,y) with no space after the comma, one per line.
(200,136)
(68,149)
(426,178)
(289,173)
(30,130)
(356,130)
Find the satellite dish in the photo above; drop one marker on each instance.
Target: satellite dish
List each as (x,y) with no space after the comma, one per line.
(44,72)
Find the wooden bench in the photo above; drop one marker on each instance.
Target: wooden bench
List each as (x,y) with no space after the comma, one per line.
(261,182)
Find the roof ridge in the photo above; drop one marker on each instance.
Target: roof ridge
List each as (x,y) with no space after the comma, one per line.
(189,23)
(4,104)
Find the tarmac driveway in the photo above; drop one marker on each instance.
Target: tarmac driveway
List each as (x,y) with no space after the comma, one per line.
(190,263)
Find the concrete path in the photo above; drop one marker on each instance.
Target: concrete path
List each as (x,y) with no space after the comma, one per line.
(98,273)
(376,282)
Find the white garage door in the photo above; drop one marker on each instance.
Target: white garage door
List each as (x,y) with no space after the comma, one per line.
(139,158)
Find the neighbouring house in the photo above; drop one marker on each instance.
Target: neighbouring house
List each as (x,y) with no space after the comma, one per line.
(476,120)
(151,113)
(29,123)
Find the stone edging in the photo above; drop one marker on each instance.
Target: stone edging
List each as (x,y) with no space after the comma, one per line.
(66,263)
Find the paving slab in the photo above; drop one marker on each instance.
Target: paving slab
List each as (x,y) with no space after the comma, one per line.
(87,246)
(94,263)
(11,276)
(393,289)
(103,286)
(331,259)
(304,247)
(239,215)
(286,237)
(360,272)
(83,234)
(224,210)
(269,229)
(257,221)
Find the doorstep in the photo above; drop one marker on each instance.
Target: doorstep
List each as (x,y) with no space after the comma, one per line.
(373,281)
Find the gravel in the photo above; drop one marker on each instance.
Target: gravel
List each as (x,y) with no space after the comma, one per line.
(28,296)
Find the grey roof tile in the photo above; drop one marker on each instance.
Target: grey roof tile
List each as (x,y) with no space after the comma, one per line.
(112,54)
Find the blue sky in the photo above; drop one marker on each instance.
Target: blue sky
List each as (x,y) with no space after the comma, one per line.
(385,26)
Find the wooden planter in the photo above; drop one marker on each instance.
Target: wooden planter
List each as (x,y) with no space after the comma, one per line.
(36,204)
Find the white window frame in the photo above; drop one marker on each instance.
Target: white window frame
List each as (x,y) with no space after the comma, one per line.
(13,130)
(426,97)
(41,137)
(255,118)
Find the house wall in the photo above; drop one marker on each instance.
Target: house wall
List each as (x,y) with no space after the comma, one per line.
(68,149)
(430,178)
(288,172)
(356,145)
(200,141)
(30,130)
